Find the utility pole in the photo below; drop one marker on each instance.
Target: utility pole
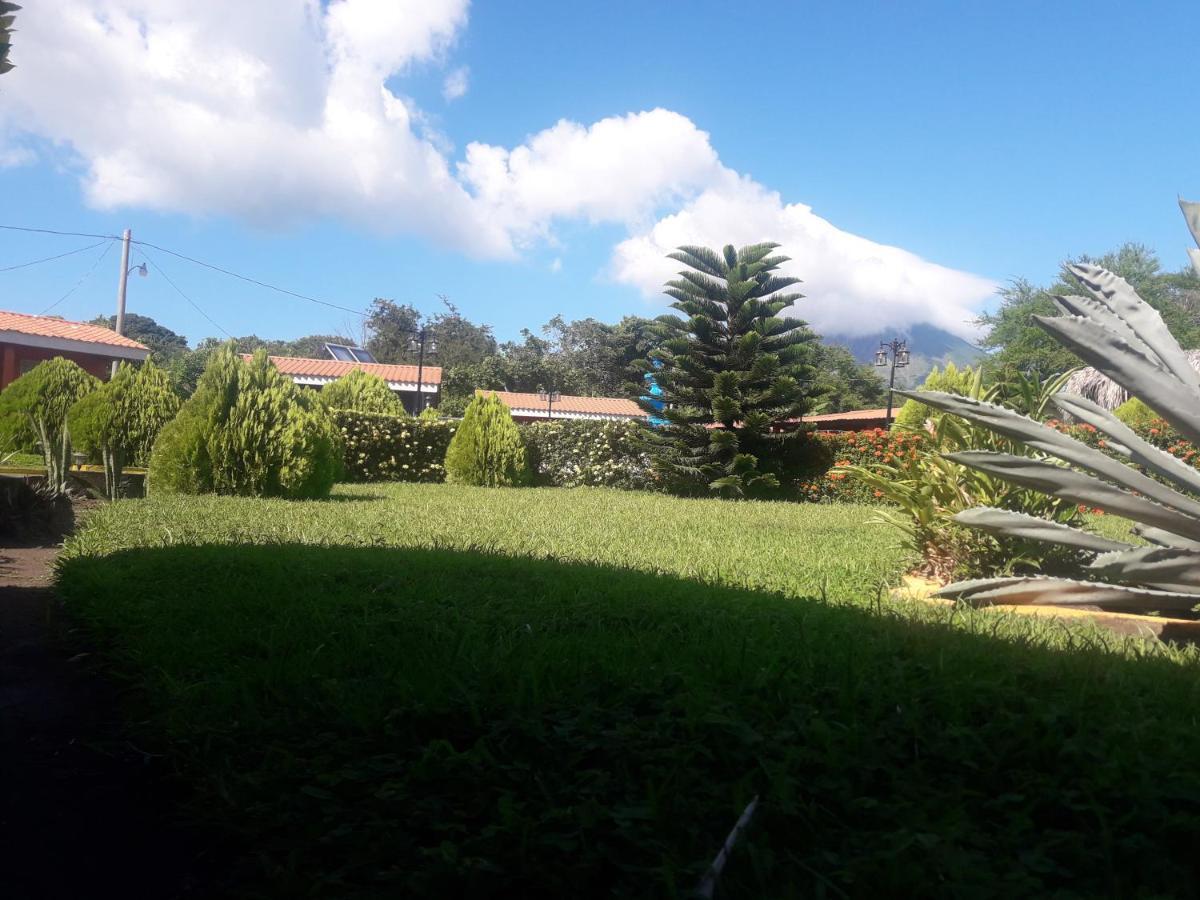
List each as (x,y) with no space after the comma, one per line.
(899,359)
(121,285)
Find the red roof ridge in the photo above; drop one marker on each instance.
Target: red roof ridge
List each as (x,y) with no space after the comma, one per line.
(311,367)
(65,329)
(569,403)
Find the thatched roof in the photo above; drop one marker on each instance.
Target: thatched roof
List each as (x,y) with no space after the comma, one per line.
(1103,390)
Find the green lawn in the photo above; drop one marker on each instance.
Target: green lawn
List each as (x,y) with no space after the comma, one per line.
(439,691)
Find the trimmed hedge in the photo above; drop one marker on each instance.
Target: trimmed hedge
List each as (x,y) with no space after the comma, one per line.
(379,447)
(581,452)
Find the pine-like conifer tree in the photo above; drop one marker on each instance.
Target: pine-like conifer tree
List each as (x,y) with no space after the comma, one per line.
(729,372)
(487,449)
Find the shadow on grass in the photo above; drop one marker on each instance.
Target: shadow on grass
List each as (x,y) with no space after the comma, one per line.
(437,722)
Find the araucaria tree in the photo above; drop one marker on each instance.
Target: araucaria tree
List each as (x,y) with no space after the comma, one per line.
(728,372)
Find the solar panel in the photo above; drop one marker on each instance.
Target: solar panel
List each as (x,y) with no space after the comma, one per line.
(340,352)
(363,355)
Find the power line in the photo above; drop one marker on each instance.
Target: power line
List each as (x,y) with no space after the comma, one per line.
(35,262)
(113,237)
(250,280)
(194,261)
(178,290)
(86,275)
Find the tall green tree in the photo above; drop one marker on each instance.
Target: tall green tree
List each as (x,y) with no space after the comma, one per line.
(1021,345)
(460,342)
(841,382)
(728,371)
(164,343)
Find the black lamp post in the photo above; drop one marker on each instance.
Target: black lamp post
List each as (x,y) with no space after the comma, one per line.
(894,352)
(417,344)
(549,398)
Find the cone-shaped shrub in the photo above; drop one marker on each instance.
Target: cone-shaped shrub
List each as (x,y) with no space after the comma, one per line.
(247,430)
(362,392)
(34,409)
(487,449)
(119,421)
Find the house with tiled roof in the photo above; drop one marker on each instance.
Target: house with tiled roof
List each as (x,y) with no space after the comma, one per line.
(408,382)
(855,420)
(540,407)
(27,340)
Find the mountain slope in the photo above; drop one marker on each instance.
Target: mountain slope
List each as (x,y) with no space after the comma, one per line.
(928,346)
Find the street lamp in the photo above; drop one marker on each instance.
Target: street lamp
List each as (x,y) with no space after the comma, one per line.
(549,398)
(421,344)
(899,358)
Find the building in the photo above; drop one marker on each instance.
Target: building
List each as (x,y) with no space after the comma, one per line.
(316,373)
(532,408)
(27,340)
(855,420)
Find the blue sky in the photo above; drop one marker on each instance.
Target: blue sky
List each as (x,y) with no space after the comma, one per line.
(986,140)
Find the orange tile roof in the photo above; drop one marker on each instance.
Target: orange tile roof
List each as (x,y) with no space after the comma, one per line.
(333,368)
(51,327)
(587,406)
(855,415)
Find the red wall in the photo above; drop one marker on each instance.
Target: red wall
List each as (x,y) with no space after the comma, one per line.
(12,355)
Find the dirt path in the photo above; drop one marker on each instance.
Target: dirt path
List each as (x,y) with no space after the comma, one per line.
(83,812)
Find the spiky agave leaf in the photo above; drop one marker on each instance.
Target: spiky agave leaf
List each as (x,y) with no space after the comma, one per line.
(1126,339)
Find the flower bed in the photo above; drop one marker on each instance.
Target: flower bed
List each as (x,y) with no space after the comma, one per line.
(822,451)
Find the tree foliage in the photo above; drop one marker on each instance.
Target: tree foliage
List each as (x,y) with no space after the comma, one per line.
(487,449)
(728,371)
(952,379)
(247,430)
(35,406)
(362,392)
(460,342)
(119,421)
(1021,345)
(842,382)
(165,345)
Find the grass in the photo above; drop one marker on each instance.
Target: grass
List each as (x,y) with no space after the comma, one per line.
(431,690)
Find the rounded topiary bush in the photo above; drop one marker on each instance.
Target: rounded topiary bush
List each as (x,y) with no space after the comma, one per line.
(247,430)
(362,392)
(487,449)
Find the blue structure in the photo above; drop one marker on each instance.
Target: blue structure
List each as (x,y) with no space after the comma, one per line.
(654,392)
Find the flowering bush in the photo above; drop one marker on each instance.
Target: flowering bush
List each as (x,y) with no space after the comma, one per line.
(580,452)
(821,452)
(393,448)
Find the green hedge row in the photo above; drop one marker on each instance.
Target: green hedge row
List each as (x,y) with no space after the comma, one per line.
(378,447)
(584,453)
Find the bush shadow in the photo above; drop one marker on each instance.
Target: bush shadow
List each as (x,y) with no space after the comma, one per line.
(475,724)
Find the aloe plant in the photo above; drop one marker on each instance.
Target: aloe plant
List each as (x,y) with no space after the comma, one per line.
(1125,338)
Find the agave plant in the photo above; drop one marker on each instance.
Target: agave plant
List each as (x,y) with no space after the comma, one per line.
(1123,337)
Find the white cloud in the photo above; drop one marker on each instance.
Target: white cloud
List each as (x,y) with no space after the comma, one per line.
(284,111)
(620,169)
(556,265)
(456,84)
(852,285)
